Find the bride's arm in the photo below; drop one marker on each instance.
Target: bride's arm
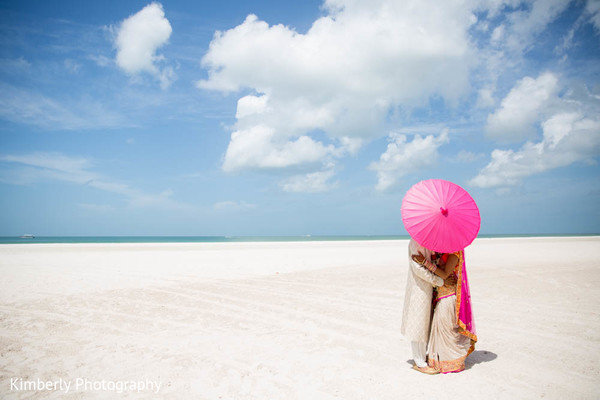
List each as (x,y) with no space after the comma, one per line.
(447,269)
(442,271)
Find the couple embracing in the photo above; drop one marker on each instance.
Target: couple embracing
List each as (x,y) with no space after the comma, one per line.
(442,219)
(437,316)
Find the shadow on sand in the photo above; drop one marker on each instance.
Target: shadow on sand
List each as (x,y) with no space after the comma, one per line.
(478,357)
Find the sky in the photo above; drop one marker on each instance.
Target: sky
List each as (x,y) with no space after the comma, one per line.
(254,118)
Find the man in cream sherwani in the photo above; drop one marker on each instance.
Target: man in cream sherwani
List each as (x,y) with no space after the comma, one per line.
(416,316)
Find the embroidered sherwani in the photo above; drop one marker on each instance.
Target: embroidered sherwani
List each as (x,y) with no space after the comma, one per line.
(416,315)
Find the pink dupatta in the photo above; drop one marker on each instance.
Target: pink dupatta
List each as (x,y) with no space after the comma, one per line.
(464,313)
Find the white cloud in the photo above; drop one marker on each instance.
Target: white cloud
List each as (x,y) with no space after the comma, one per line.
(259,147)
(403,157)
(138,39)
(166,77)
(468,156)
(72,66)
(51,161)
(592,7)
(566,43)
(12,65)
(342,77)
(100,60)
(497,35)
(29,107)
(312,182)
(515,28)
(530,20)
(42,166)
(524,105)
(366,60)
(590,15)
(570,130)
(485,98)
(568,137)
(251,105)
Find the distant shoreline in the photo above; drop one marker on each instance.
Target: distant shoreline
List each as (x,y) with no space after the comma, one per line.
(249,239)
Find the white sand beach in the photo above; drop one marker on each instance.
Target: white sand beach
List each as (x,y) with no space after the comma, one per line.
(296,320)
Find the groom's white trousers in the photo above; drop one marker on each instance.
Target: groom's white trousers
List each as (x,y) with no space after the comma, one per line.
(419,351)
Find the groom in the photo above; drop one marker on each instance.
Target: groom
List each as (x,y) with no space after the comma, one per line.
(416,316)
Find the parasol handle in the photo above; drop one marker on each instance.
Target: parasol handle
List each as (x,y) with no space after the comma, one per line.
(444,211)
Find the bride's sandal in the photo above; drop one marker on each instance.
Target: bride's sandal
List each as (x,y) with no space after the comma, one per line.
(426,370)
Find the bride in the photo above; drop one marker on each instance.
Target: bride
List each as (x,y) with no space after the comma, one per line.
(452,337)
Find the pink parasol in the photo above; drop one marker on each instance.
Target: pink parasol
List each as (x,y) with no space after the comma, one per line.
(440,215)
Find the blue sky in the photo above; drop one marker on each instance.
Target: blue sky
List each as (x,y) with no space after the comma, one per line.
(294,118)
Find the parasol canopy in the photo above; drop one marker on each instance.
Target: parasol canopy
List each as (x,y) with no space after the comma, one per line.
(440,215)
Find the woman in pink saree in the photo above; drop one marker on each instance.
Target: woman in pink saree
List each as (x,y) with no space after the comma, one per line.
(452,337)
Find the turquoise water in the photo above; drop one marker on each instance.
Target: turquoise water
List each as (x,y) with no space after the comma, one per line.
(226,239)
(188,239)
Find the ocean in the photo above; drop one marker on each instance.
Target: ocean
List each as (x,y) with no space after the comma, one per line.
(187,239)
(226,239)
